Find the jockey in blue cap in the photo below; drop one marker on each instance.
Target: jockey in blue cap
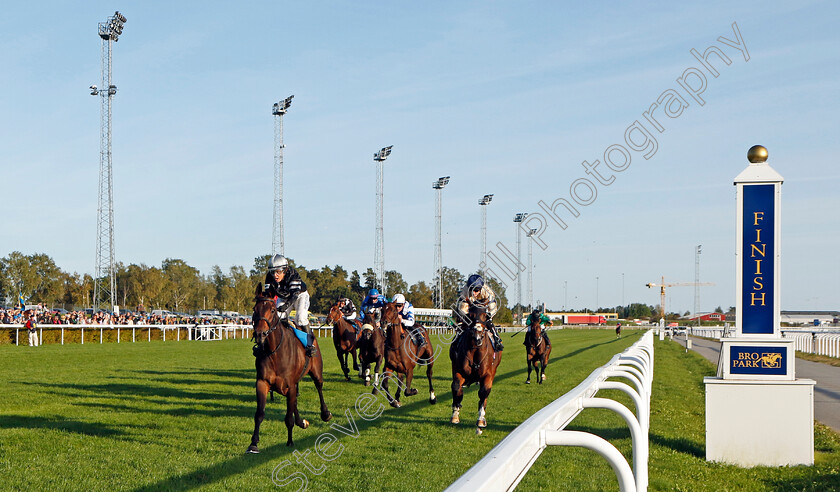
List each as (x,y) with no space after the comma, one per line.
(374,301)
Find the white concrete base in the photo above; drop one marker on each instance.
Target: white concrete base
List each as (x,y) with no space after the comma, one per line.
(760,423)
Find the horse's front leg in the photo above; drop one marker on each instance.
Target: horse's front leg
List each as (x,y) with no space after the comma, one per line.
(432,397)
(262,392)
(317,374)
(342,360)
(483,393)
(377,376)
(528,360)
(457,397)
(543,363)
(385,380)
(292,416)
(355,361)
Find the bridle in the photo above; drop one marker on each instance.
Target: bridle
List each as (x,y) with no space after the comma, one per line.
(273,325)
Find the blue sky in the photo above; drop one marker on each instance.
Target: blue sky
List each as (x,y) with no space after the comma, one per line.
(506,97)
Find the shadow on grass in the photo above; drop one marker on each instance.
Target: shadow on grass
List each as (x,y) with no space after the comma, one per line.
(680,445)
(814,481)
(129,389)
(75,426)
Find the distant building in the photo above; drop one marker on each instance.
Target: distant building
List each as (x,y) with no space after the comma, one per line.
(719,317)
(811,318)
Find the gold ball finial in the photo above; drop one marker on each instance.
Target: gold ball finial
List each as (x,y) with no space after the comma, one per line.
(756,154)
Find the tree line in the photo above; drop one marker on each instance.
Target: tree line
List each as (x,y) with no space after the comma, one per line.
(177,286)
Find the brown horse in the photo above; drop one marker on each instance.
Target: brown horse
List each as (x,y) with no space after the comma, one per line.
(473,361)
(281,363)
(344,339)
(402,354)
(371,351)
(536,351)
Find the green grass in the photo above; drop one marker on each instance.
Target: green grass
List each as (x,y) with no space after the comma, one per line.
(179,415)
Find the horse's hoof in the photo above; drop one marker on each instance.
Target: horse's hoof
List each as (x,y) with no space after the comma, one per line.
(289,444)
(527,381)
(326,416)
(481,423)
(375,391)
(433,399)
(253,449)
(395,404)
(478,431)
(367,382)
(455,420)
(411,392)
(304,424)
(543,377)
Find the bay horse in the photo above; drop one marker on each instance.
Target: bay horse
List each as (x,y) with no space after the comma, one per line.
(473,361)
(371,347)
(281,363)
(402,354)
(344,339)
(536,351)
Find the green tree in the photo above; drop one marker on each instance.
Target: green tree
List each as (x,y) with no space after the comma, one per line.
(719,310)
(421,295)
(181,282)
(395,282)
(504,315)
(452,282)
(36,277)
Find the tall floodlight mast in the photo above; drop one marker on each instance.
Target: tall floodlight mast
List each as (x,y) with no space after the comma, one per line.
(104,280)
(379,249)
(279,109)
(482,264)
(697,282)
(531,269)
(438,187)
(517,219)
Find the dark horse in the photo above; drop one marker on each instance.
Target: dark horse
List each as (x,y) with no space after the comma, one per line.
(371,351)
(344,339)
(281,363)
(536,350)
(402,354)
(473,361)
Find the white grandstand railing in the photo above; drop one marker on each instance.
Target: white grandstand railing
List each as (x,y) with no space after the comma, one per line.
(507,463)
(193,331)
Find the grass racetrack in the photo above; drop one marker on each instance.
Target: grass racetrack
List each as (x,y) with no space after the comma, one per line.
(179,415)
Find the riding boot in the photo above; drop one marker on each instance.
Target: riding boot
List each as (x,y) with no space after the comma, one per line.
(419,339)
(310,341)
(547,340)
(497,340)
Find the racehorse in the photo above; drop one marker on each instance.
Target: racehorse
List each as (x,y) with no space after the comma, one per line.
(402,354)
(371,351)
(536,351)
(344,339)
(473,361)
(281,363)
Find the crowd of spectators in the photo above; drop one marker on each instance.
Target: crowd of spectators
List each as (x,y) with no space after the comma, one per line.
(15,316)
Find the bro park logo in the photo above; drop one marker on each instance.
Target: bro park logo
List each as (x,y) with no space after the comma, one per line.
(758,360)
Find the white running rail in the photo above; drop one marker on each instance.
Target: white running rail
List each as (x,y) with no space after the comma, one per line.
(507,463)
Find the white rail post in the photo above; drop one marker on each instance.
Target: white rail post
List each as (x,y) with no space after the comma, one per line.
(62,335)
(133,332)
(17,335)
(118,333)
(600,446)
(639,439)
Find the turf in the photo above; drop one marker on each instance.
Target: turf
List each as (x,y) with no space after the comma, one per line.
(179,415)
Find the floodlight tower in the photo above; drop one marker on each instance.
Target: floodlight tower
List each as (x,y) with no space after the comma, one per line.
(438,186)
(530,234)
(278,110)
(697,282)
(104,288)
(484,201)
(379,249)
(517,219)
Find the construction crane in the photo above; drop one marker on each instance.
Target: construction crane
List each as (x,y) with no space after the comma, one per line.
(662,286)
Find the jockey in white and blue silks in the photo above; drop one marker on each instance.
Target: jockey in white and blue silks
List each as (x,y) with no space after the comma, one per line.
(406,313)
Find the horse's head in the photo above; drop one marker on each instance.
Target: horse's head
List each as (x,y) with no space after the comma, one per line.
(335,313)
(265,318)
(480,318)
(390,314)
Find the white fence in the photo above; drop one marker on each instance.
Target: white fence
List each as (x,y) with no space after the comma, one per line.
(809,341)
(193,331)
(827,344)
(506,464)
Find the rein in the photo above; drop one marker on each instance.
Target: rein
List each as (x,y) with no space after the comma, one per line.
(277,324)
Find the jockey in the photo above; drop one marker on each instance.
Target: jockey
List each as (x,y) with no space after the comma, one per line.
(537,316)
(374,300)
(476,292)
(406,313)
(290,293)
(348,309)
